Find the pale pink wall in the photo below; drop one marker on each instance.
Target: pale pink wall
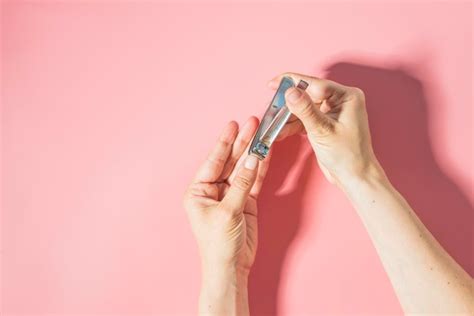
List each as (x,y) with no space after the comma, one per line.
(109,108)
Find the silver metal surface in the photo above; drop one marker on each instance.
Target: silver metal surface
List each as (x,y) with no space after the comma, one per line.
(274,119)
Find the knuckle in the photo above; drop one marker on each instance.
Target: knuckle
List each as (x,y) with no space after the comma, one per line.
(216,160)
(358,92)
(321,88)
(201,190)
(195,190)
(323,85)
(242,182)
(223,143)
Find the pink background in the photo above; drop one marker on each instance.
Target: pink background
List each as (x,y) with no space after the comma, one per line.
(108,108)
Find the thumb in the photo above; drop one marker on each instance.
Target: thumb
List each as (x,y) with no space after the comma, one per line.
(236,197)
(300,104)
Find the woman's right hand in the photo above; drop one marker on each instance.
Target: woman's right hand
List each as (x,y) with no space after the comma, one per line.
(335,118)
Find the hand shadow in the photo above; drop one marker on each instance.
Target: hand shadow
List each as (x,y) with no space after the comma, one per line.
(398,114)
(278,221)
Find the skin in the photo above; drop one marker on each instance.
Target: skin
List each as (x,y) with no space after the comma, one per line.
(425,278)
(222,207)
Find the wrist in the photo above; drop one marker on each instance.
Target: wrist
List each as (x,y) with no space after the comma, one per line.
(224,291)
(219,278)
(371,174)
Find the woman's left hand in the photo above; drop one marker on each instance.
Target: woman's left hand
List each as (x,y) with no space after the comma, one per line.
(221,203)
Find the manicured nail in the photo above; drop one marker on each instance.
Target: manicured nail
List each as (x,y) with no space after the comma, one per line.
(294,95)
(251,162)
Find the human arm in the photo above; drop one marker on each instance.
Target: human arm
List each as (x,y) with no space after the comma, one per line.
(425,278)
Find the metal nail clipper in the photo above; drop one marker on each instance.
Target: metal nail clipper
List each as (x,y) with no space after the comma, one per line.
(274,119)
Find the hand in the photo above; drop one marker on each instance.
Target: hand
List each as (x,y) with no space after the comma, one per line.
(221,204)
(420,270)
(335,119)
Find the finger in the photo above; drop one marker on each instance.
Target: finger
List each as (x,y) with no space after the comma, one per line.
(240,187)
(212,168)
(240,160)
(274,83)
(301,105)
(318,89)
(290,129)
(325,108)
(241,142)
(262,172)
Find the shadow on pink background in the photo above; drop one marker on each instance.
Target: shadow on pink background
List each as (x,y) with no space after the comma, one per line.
(108,109)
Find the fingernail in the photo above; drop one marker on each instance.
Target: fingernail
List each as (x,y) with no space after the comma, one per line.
(294,95)
(251,162)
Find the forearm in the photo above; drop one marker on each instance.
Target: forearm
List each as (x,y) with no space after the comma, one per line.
(425,278)
(224,292)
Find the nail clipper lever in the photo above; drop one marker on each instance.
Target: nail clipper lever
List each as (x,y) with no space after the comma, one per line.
(274,119)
